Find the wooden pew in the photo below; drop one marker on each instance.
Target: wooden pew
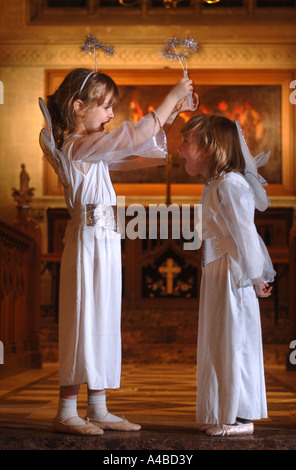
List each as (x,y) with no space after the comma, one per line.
(19,310)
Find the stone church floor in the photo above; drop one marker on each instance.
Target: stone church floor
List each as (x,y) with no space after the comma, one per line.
(160,397)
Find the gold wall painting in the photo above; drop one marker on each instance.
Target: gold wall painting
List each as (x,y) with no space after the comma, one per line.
(259,100)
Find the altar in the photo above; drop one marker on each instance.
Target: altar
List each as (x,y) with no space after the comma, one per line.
(158,271)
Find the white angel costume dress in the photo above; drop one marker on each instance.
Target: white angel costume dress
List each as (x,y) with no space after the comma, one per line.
(230,369)
(90,277)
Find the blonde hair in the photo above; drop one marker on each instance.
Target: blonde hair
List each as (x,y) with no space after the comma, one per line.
(217,136)
(61,103)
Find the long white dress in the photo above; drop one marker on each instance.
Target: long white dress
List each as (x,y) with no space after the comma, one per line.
(90,278)
(230,368)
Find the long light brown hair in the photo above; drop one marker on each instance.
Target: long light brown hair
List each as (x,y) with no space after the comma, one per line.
(218,138)
(60,104)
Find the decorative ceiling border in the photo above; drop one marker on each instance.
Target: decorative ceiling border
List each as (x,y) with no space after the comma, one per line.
(211,55)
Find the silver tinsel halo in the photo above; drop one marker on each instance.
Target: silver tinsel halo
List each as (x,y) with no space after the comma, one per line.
(189,46)
(91,45)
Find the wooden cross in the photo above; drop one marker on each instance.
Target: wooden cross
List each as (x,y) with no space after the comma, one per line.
(169,270)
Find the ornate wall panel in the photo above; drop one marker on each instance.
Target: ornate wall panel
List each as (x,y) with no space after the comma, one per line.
(212,55)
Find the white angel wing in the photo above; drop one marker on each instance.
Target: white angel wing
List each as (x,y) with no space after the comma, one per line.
(262,159)
(251,174)
(54,156)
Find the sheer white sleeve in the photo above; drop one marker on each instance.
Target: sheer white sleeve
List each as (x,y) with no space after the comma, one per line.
(237,207)
(131,146)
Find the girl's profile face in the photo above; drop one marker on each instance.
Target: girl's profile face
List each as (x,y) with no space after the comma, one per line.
(195,161)
(96,117)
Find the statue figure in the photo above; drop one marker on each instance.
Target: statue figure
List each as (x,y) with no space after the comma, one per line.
(24,195)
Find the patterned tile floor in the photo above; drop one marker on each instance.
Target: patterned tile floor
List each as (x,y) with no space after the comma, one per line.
(159,397)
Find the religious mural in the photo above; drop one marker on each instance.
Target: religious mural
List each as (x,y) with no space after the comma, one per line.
(257,107)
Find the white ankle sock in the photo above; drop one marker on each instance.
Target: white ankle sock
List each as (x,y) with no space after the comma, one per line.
(97,409)
(67,410)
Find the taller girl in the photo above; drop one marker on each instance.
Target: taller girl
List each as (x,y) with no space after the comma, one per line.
(90,279)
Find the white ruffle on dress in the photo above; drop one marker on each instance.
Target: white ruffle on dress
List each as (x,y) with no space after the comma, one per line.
(90,278)
(230,368)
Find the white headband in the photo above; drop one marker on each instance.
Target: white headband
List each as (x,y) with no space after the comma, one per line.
(85,80)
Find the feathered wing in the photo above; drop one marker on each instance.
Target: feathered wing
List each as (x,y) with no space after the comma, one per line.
(54,156)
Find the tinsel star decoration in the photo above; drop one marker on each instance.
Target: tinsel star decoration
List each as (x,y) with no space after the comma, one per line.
(91,46)
(179,49)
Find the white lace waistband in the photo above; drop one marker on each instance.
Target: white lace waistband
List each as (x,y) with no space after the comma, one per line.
(214,248)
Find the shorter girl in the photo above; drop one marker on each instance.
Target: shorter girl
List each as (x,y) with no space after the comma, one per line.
(82,152)
(236,270)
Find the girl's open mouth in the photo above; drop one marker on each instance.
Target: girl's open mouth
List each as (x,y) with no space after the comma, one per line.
(102,126)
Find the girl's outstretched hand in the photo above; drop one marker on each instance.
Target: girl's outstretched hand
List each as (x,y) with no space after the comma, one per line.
(183,88)
(168,109)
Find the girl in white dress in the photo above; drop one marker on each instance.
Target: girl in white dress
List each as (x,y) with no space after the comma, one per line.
(82,153)
(236,270)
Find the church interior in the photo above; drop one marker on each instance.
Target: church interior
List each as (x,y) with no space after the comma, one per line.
(244,68)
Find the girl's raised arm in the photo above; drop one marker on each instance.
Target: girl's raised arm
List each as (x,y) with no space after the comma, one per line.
(132,145)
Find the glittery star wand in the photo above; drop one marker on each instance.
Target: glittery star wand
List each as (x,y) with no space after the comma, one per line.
(92,46)
(186,48)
